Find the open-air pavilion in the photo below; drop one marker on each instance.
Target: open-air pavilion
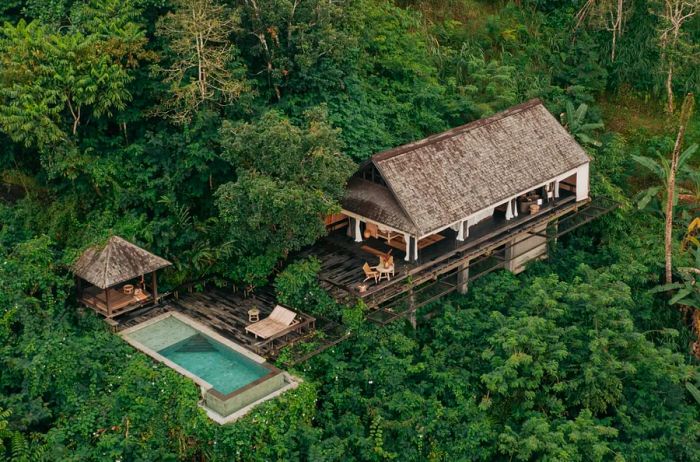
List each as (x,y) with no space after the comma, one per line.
(120,277)
(514,163)
(489,194)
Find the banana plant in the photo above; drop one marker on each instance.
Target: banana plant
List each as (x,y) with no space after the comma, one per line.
(687,291)
(575,122)
(693,388)
(661,168)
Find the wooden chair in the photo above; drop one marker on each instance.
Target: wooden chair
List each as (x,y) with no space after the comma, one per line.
(389,262)
(370,273)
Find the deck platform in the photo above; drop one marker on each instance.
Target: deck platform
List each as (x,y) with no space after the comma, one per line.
(226,313)
(342,259)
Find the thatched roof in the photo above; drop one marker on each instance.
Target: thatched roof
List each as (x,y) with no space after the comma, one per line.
(118,261)
(446,177)
(376,202)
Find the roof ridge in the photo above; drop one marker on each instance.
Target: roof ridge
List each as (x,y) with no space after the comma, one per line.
(393,152)
(107,261)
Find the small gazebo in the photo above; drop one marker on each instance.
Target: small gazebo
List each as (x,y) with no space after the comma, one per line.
(117,274)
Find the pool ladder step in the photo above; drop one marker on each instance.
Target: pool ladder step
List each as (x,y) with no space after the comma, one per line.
(197,344)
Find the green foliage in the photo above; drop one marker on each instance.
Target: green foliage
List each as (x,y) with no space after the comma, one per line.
(661,168)
(575,122)
(297,287)
(577,359)
(288,179)
(51,83)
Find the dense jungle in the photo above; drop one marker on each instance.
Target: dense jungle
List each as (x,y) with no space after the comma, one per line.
(219,133)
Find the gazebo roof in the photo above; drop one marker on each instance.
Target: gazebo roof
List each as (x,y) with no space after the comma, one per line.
(117,261)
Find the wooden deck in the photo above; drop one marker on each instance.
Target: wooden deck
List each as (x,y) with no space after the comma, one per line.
(342,259)
(119,302)
(227,313)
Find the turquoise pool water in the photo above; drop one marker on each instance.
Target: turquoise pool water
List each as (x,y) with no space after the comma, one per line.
(224,369)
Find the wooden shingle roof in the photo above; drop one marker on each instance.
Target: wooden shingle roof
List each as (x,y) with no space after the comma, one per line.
(446,177)
(116,262)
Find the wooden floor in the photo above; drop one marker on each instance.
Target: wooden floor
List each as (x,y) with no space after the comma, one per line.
(342,258)
(119,302)
(227,313)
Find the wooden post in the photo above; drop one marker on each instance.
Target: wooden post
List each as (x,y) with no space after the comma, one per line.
(463,277)
(412,308)
(79,287)
(109,308)
(154,284)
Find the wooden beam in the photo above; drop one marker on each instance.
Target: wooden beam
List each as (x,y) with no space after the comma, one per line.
(154,286)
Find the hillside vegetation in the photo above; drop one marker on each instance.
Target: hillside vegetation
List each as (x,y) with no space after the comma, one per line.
(217,133)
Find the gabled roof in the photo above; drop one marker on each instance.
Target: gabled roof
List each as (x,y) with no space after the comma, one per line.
(118,261)
(446,177)
(377,203)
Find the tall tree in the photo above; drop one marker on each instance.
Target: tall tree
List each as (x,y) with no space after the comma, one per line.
(200,67)
(289,177)
(49,78)
(608,14)
(674,14)
(686,112)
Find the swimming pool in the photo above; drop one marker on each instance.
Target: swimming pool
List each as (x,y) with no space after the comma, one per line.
(232,379)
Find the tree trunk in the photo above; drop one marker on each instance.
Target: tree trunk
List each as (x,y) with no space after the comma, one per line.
(671,185)
(669,89)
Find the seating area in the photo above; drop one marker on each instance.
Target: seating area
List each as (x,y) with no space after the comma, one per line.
(385,269)
(111,278)
(118,298)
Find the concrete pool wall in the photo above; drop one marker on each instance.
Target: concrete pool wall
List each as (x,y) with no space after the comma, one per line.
(222,408)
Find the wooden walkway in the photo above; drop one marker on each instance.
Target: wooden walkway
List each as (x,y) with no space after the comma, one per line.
(342,259)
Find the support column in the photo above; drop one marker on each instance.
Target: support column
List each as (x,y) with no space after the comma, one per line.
(556,189)
(463,278)
(415,249)
(509,256)
(460,234)
(109,308)
(515,206)
(154,284)
(407,238)
(412,308)
(509,210)
(358,233)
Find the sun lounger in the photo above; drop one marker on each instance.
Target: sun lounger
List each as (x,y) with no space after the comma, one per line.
(280,319)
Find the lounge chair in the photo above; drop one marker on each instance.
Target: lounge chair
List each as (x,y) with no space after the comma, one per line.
(370,272)
(280,319)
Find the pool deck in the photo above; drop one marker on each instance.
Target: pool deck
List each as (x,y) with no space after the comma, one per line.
(226,313)
(214,402)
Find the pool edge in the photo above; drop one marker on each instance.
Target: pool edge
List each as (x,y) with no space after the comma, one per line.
(206,388)
(292,383)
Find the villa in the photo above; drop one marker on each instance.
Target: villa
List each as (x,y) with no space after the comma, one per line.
(486,195)
(416,223)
